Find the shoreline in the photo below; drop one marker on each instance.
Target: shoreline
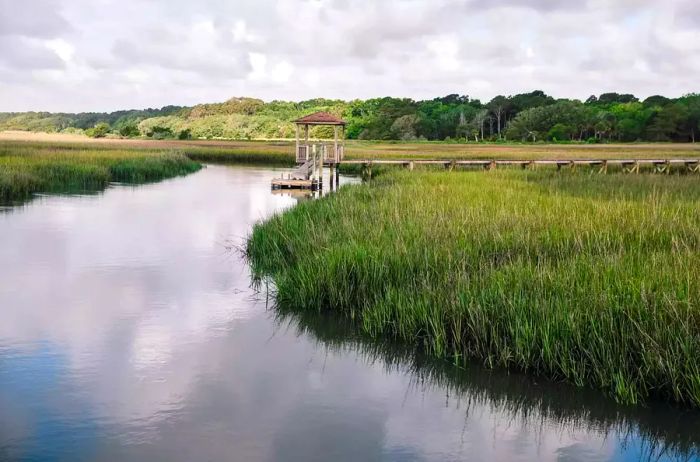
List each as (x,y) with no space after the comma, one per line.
(569,278)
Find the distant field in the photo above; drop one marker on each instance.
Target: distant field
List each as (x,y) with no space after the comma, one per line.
(282,151)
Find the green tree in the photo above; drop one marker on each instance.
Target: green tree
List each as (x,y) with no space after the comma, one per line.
(100,130)
(692,103)
(160,133)
(404,128)
(669,123)
(129,130)
(499,107)
(560,132)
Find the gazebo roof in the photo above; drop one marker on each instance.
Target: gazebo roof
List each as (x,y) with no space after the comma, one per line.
(320,118)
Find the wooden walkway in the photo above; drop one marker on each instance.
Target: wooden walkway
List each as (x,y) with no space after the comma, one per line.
(628,165)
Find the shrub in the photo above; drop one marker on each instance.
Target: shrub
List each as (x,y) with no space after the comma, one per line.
(129,131)
(98,131)
(160,133)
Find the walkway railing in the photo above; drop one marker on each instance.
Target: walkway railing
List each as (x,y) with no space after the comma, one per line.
(628,165)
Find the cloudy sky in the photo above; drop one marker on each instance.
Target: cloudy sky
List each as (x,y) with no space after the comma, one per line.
(98,55)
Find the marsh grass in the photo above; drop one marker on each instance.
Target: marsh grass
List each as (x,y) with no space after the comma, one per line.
(588,279)
(281,152)
(28,168)
(252,156)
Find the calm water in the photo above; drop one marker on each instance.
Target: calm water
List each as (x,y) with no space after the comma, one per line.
(128,331)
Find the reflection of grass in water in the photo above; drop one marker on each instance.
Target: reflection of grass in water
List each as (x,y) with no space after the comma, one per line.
(27,168)
(592,280)
(657,430)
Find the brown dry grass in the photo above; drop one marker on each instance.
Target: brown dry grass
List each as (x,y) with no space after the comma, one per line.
(389,150)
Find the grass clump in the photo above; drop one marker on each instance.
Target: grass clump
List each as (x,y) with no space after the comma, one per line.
(28,168)
(590,280)
(252,154)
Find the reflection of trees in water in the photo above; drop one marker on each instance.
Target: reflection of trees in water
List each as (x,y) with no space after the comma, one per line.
(659,431)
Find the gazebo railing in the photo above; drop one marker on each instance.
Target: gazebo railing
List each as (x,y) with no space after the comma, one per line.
(327,151)
(302,153)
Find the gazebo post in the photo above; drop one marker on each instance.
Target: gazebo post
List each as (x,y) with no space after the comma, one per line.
(342,139)
(296,153)
(335,143)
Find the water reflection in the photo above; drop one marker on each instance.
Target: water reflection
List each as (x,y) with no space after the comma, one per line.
(299,195)
(129,332)
(523,404)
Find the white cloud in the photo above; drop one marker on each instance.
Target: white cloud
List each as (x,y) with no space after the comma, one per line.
(181,52)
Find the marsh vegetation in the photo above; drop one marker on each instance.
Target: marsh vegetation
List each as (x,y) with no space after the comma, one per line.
(589,280)
(27,168)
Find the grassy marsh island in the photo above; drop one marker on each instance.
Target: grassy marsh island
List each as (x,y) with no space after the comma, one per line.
(587,279)
(28,168)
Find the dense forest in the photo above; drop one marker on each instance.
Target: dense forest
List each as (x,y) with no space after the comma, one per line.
(533,117)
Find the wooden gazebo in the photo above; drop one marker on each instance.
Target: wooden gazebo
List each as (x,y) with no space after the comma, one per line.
(332,153)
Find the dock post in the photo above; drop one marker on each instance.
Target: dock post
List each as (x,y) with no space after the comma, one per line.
(603,167)
(337,175)
(367,171)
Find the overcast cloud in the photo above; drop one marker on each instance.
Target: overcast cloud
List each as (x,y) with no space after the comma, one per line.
(100,55)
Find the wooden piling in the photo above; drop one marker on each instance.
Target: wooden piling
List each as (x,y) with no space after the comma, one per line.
(603,167)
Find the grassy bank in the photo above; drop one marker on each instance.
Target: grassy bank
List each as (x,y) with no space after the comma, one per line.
(591,280)
(252,155)
(28,168)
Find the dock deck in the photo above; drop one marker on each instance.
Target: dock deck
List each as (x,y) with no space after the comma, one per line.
(292,183)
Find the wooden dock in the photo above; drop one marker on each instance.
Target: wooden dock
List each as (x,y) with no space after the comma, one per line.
(627,165)
(308,176)
(292,183)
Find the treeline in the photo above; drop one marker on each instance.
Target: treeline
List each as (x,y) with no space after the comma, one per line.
(67,122)
(535,116)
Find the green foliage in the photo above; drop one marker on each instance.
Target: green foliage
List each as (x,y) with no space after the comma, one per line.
(586,279)
(610,117)
(100,130)
(560,132)
(669,122)
(129,130)
(160,133)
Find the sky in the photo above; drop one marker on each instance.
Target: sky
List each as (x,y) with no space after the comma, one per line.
(105,55)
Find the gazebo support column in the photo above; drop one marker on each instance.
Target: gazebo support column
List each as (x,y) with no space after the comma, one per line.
(335,144)
(296,153)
